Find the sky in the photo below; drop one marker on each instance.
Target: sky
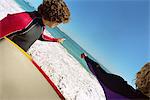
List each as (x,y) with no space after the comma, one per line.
(115,32)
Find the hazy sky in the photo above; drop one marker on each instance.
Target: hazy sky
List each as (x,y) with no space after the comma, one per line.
(115,32)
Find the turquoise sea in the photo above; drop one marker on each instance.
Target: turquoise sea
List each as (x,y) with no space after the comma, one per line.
(72,47)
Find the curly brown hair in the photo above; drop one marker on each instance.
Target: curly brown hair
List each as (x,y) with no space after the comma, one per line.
(143,79)
(54,11)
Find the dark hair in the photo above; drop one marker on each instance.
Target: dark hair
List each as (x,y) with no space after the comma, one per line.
(54,11)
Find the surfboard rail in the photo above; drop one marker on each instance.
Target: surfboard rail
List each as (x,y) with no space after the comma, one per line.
(39,69)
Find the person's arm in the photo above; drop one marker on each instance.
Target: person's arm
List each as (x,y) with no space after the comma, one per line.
(48,38)
(94,64)
(112,81)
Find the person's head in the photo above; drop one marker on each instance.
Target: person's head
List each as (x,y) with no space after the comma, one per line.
(143,79)
(54,12)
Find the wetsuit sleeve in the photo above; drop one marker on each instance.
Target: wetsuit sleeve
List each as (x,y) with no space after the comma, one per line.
(48,38)
(94,65)
(44,37)
(112,81)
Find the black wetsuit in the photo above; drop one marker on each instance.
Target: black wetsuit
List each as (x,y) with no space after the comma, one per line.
(27,36)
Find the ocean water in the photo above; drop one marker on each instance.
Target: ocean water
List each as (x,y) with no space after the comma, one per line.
(71,46)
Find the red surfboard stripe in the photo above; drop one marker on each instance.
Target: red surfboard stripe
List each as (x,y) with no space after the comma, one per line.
(49,80)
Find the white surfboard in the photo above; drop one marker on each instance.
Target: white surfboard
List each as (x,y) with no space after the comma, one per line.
(19,78)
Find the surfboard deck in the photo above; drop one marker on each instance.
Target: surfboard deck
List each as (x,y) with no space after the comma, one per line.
(19,78)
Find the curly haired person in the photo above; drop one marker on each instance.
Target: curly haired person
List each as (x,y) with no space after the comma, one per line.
(25,28)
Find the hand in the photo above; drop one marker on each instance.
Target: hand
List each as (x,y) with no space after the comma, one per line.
(60,40)
(83,55)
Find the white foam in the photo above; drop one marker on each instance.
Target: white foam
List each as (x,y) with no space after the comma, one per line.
(74,82)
